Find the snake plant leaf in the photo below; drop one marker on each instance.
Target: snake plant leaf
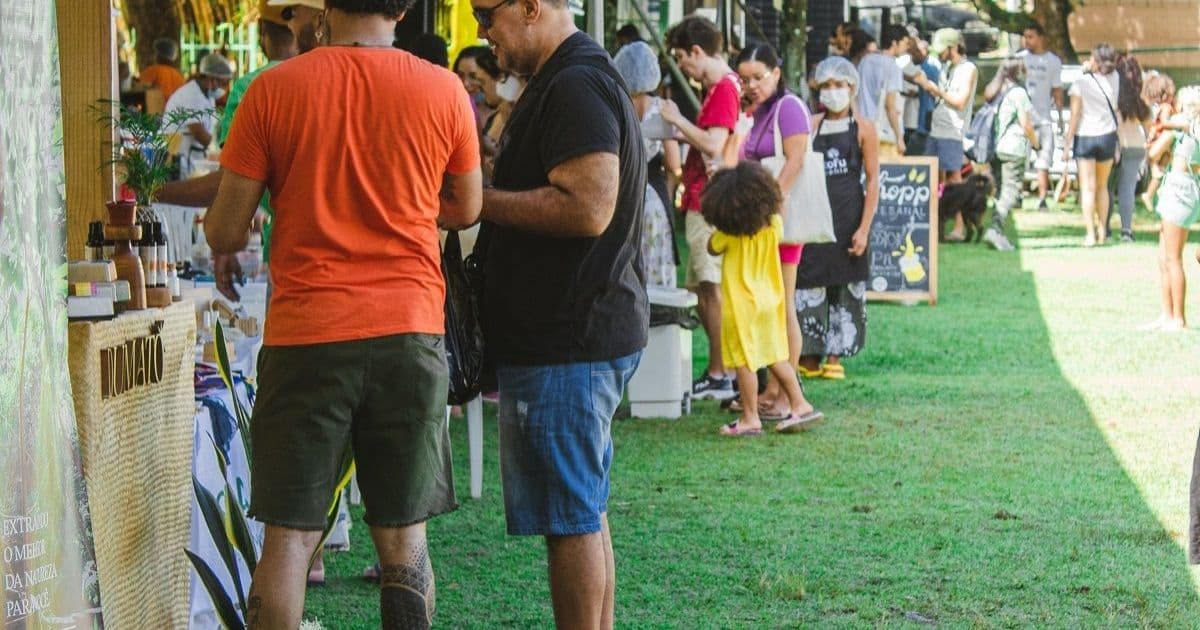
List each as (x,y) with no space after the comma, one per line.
(216,528)
(239,412)
(226,612)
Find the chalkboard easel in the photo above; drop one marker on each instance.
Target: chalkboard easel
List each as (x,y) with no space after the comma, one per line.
(903,242)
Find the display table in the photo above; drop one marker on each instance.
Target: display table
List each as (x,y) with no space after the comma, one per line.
(134,408)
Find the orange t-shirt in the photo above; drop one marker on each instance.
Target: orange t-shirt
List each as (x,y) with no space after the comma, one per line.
(353,144)
(165,78)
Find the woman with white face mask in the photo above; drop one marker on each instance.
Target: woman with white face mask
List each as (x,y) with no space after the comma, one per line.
(831,279)
(500,91)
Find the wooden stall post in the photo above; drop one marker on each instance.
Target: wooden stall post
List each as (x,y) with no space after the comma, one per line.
(88,61)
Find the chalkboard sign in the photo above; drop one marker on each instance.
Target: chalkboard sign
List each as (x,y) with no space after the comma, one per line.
(904,234)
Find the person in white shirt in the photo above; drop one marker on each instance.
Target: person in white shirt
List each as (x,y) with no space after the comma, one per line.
(955,94)
(199,96)
(1092,135)
(879,97)
(1043,81)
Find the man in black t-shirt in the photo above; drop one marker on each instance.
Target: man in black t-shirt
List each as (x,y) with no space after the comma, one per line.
(565,309)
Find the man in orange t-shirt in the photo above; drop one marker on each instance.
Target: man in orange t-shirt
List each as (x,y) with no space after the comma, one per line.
(163,74)
(365,150)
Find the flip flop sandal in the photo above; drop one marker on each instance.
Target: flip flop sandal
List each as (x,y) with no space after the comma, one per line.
(833,372)
(772,414)
(733,430)
(807,373)
(733,405)
(796,424)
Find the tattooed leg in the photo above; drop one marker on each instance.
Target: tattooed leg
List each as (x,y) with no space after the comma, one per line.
(407,596)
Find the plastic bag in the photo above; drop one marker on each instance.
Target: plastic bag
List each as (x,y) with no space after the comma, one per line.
(464,332)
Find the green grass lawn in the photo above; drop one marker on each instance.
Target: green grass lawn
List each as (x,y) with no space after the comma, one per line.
(1017,456)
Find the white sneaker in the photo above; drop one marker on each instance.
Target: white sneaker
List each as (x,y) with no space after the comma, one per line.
(997,240)
(1154,325)
(1173,326)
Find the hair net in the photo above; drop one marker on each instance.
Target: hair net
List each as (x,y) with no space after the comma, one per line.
(638,65)
(214,65)
(837,69)
(166,48)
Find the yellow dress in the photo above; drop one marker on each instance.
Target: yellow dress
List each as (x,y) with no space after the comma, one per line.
(753,315)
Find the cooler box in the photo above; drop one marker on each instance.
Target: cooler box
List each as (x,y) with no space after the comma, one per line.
(662,385)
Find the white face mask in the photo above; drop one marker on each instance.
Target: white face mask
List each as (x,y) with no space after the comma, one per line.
(836,99)
(216,93)
(509,89)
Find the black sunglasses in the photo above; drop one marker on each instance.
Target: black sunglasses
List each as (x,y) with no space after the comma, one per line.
(288,13)
(484,16)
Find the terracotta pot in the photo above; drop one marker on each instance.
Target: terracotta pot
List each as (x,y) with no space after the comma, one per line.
(120,213)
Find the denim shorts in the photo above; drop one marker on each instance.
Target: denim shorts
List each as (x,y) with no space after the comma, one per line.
(556,443)
(1099,148)
(949,152)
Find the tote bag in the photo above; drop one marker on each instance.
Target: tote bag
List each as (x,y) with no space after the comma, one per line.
(807,215)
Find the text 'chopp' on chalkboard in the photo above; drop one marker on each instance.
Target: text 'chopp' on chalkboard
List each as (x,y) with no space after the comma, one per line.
(902,249)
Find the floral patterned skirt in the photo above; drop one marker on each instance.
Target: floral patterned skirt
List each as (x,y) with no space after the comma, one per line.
(833,320)
(658,254)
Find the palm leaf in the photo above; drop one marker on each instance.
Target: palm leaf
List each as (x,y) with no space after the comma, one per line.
(216,528)
(225,610)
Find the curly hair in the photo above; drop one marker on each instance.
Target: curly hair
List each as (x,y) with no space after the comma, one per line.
(387,8)
(740,200)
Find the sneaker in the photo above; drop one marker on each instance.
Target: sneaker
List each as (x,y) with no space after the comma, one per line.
(997,240)
(1043,206)
(1126,237)
(709,387)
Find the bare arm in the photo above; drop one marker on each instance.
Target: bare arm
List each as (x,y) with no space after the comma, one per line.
(956,101)
(579,202)
(199,133)
(1057,95)
(794,149)
(895,118)
(1026,123)
(461,199)
(711,141)
(1073,126)
(227,222)
(868,138)
(672,157)
(1161,146)
(198,192)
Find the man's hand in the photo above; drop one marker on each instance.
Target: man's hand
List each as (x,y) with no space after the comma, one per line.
(858,242)
(228,270)
(901,147)
(670,112)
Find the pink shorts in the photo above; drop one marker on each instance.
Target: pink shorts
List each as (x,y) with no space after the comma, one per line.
(789,254)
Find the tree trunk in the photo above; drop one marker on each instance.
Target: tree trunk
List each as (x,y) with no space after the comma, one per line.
(1053,14)
(795,37)
(150,20)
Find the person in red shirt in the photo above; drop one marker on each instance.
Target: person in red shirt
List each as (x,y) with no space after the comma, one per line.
(696,43)
(362,170)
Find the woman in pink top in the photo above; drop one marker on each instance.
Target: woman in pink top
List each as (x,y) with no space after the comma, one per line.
(771,103)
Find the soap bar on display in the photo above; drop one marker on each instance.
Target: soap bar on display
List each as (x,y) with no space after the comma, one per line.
(91,271)
(90,307)
(117,291)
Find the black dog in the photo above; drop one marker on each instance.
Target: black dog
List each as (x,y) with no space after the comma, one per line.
(968,198)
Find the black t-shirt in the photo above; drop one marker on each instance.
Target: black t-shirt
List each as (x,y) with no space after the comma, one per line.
(553,300)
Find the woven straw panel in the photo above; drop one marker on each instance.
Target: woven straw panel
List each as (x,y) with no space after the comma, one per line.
(137,460)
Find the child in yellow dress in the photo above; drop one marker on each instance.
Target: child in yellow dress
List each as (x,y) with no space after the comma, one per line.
(743,203)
